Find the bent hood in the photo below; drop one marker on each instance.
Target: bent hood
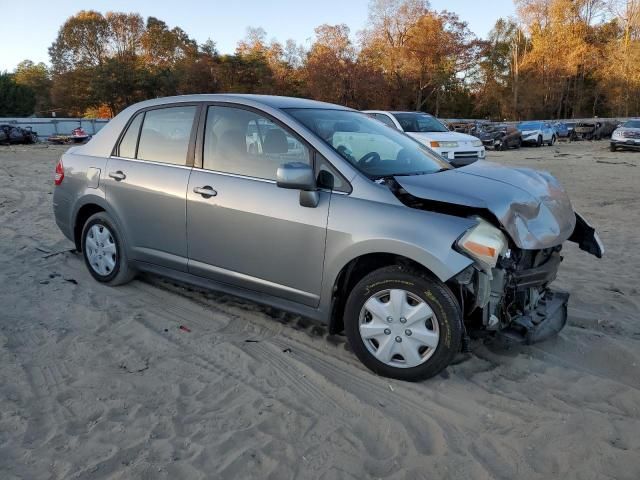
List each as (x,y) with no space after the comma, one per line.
(531,206)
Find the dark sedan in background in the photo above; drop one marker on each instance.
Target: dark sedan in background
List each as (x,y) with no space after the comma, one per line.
(500,137)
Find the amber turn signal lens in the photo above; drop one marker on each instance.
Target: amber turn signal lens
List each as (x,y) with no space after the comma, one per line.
(480,249)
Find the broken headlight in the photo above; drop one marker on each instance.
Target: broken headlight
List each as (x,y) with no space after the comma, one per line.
(484,243)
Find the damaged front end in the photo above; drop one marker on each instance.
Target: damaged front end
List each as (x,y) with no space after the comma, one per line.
(514,297)
(523,218)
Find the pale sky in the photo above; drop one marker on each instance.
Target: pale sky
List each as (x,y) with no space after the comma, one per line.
(28,29)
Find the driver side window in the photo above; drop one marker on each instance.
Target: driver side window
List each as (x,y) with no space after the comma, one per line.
(246,143)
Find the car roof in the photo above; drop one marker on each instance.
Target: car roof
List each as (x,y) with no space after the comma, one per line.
(272,101)
(395,111)
(419,113)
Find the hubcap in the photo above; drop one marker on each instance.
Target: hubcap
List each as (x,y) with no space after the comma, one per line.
(101,249)
(399,328)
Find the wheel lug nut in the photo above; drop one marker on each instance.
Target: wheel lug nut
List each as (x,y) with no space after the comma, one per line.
(398,339)
(407,333)
(387,331)
(389,319)
(403,320)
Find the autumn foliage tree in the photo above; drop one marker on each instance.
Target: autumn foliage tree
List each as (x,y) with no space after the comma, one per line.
(555,59)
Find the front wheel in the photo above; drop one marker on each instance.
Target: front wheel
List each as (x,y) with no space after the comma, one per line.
(612,147)
(539,142)
(552,141)
(103,251)
(402,323)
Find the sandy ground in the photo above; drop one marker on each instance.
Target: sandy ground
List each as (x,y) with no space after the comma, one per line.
(101,383)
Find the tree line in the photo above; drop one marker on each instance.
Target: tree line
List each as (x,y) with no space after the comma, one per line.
(554,59)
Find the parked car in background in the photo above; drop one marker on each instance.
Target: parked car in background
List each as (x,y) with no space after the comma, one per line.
(594,129)
(470,127)
(17,135)
(587,130)
(537,132)
(410,252)
(457,148)
(571,126)
(626,136)
(500,136)
(561,129)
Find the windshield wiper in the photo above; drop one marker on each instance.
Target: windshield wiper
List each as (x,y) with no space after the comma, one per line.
(425,172)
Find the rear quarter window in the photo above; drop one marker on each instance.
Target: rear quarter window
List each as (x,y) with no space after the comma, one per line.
(127,148)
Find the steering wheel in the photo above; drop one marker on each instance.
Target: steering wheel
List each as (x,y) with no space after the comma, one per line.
(370,159)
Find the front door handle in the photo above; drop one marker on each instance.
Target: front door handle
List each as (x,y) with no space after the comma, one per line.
(117,176)
(206,191)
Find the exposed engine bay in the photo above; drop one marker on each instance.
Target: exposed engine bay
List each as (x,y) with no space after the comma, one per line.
(512,296)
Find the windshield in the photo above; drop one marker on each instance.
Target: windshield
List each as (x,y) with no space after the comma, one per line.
(370,146)
(632,124)
(419,122)
(530,126)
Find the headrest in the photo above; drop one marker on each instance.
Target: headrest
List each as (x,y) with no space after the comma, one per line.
(232,141)
(275,142)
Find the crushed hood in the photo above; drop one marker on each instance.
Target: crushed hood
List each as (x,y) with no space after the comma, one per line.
(530,205)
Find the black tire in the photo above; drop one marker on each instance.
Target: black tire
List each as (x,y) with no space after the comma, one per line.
(430,290)
(121,272)
(539,141)
(612,147)
(519,143)
(552,141)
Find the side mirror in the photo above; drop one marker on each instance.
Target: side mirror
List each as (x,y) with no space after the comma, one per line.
(299,176)
(296,176)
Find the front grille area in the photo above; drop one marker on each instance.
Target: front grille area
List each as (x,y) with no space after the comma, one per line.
(631,133)
(465,154)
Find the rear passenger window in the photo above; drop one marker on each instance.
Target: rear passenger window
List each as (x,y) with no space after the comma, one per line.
(128,143)
(165,134)
(245,143)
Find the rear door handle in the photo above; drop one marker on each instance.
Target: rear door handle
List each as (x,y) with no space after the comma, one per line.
(117,176)
(206,191)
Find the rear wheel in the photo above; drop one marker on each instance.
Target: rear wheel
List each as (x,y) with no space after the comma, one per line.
(552,141)
(103,251)
(612,147)
(403,324)
(539,141)
(519,142)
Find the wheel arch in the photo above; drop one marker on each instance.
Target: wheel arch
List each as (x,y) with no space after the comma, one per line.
(356,269)
(90,206)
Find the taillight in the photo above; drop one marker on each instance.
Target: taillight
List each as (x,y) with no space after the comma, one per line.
(59,172)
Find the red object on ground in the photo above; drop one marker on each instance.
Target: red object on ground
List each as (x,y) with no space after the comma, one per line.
(185,329)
